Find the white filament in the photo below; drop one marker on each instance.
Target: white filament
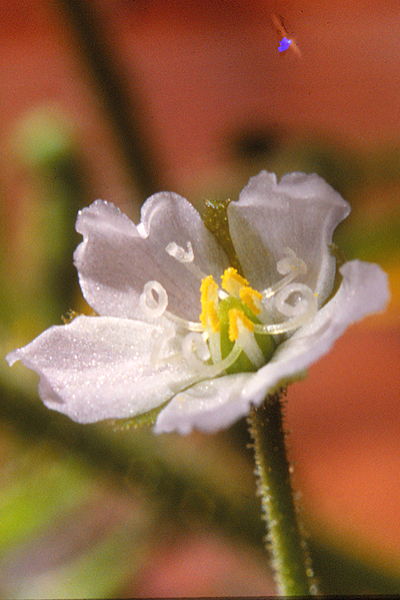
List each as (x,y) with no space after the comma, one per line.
(248,343)
(214,343)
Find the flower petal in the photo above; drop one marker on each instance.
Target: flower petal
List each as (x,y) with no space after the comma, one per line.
(98,368)
(300,212)
(116,258)
(207,406)
(212,405)
(364,290)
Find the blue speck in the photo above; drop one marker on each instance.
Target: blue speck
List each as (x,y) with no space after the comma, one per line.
(284,44)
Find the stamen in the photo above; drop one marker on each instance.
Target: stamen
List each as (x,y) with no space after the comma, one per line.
(209,317)
(237,318)
(179,253)
(209,304)
(214,343)
(251,298)
(241,329)
(252,351)
(232,282)
(153,300)
(208,289)
(250,347)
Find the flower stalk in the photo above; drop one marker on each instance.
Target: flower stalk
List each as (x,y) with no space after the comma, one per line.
(290,557)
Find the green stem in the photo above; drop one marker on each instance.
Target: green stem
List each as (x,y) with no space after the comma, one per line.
(124,105)
(290,557)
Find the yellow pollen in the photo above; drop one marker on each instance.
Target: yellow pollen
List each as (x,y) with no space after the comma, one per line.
(232,282)
(251,298)
(209,303)
(209,316)
(208,290)
(234,315)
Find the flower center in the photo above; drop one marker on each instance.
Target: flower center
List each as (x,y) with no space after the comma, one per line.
(229,316)
(238,324)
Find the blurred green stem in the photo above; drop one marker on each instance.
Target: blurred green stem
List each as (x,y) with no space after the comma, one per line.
(122,103)
(290,558)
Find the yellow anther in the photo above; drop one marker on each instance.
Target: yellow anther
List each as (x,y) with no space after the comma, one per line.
(208,290)
(251,298)
(232,282)
(209,303)
(209,316)
(234,316)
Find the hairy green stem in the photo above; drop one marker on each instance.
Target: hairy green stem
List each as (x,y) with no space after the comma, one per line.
(124,106)
(290,558)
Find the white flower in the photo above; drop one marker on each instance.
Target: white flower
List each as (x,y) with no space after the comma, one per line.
(203,355)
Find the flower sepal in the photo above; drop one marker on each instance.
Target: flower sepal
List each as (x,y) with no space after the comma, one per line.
(142,421)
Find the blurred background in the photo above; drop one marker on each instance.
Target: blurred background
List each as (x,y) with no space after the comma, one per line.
(118,99)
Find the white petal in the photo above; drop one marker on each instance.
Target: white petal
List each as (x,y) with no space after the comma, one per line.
(364,290)
(207,406)
(301,212)
(105,259)
(101,367)
(116,258)
(212,405)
